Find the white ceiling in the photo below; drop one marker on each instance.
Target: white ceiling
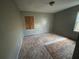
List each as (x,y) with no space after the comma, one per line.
(43,5)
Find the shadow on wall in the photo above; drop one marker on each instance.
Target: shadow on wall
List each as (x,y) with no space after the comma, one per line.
(64,22)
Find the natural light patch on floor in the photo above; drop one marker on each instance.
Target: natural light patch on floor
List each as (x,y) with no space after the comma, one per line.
(54,41)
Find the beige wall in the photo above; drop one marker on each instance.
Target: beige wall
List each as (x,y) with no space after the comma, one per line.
(64,22)
(43,22)
(10,30)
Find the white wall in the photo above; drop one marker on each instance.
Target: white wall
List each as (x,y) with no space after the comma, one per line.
(42,22)
(10,30)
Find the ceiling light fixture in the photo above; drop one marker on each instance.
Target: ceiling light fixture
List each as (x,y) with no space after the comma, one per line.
(51,3)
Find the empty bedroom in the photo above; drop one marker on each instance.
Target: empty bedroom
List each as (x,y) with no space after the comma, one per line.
(39,29)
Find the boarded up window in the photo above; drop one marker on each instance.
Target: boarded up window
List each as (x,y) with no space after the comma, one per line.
(29,22)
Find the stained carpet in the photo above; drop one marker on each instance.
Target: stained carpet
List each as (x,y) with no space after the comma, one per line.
(46,46)
(61,50)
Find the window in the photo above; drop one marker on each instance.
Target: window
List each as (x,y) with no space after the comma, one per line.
(77,24)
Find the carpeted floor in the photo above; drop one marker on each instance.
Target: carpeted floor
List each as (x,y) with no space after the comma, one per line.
(61,50)
(46,46)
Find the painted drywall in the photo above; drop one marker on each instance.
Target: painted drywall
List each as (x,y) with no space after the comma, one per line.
(42,22)
(11,34)
(64,22)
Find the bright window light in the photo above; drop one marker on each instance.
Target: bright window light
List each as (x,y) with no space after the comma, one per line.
(76,28)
